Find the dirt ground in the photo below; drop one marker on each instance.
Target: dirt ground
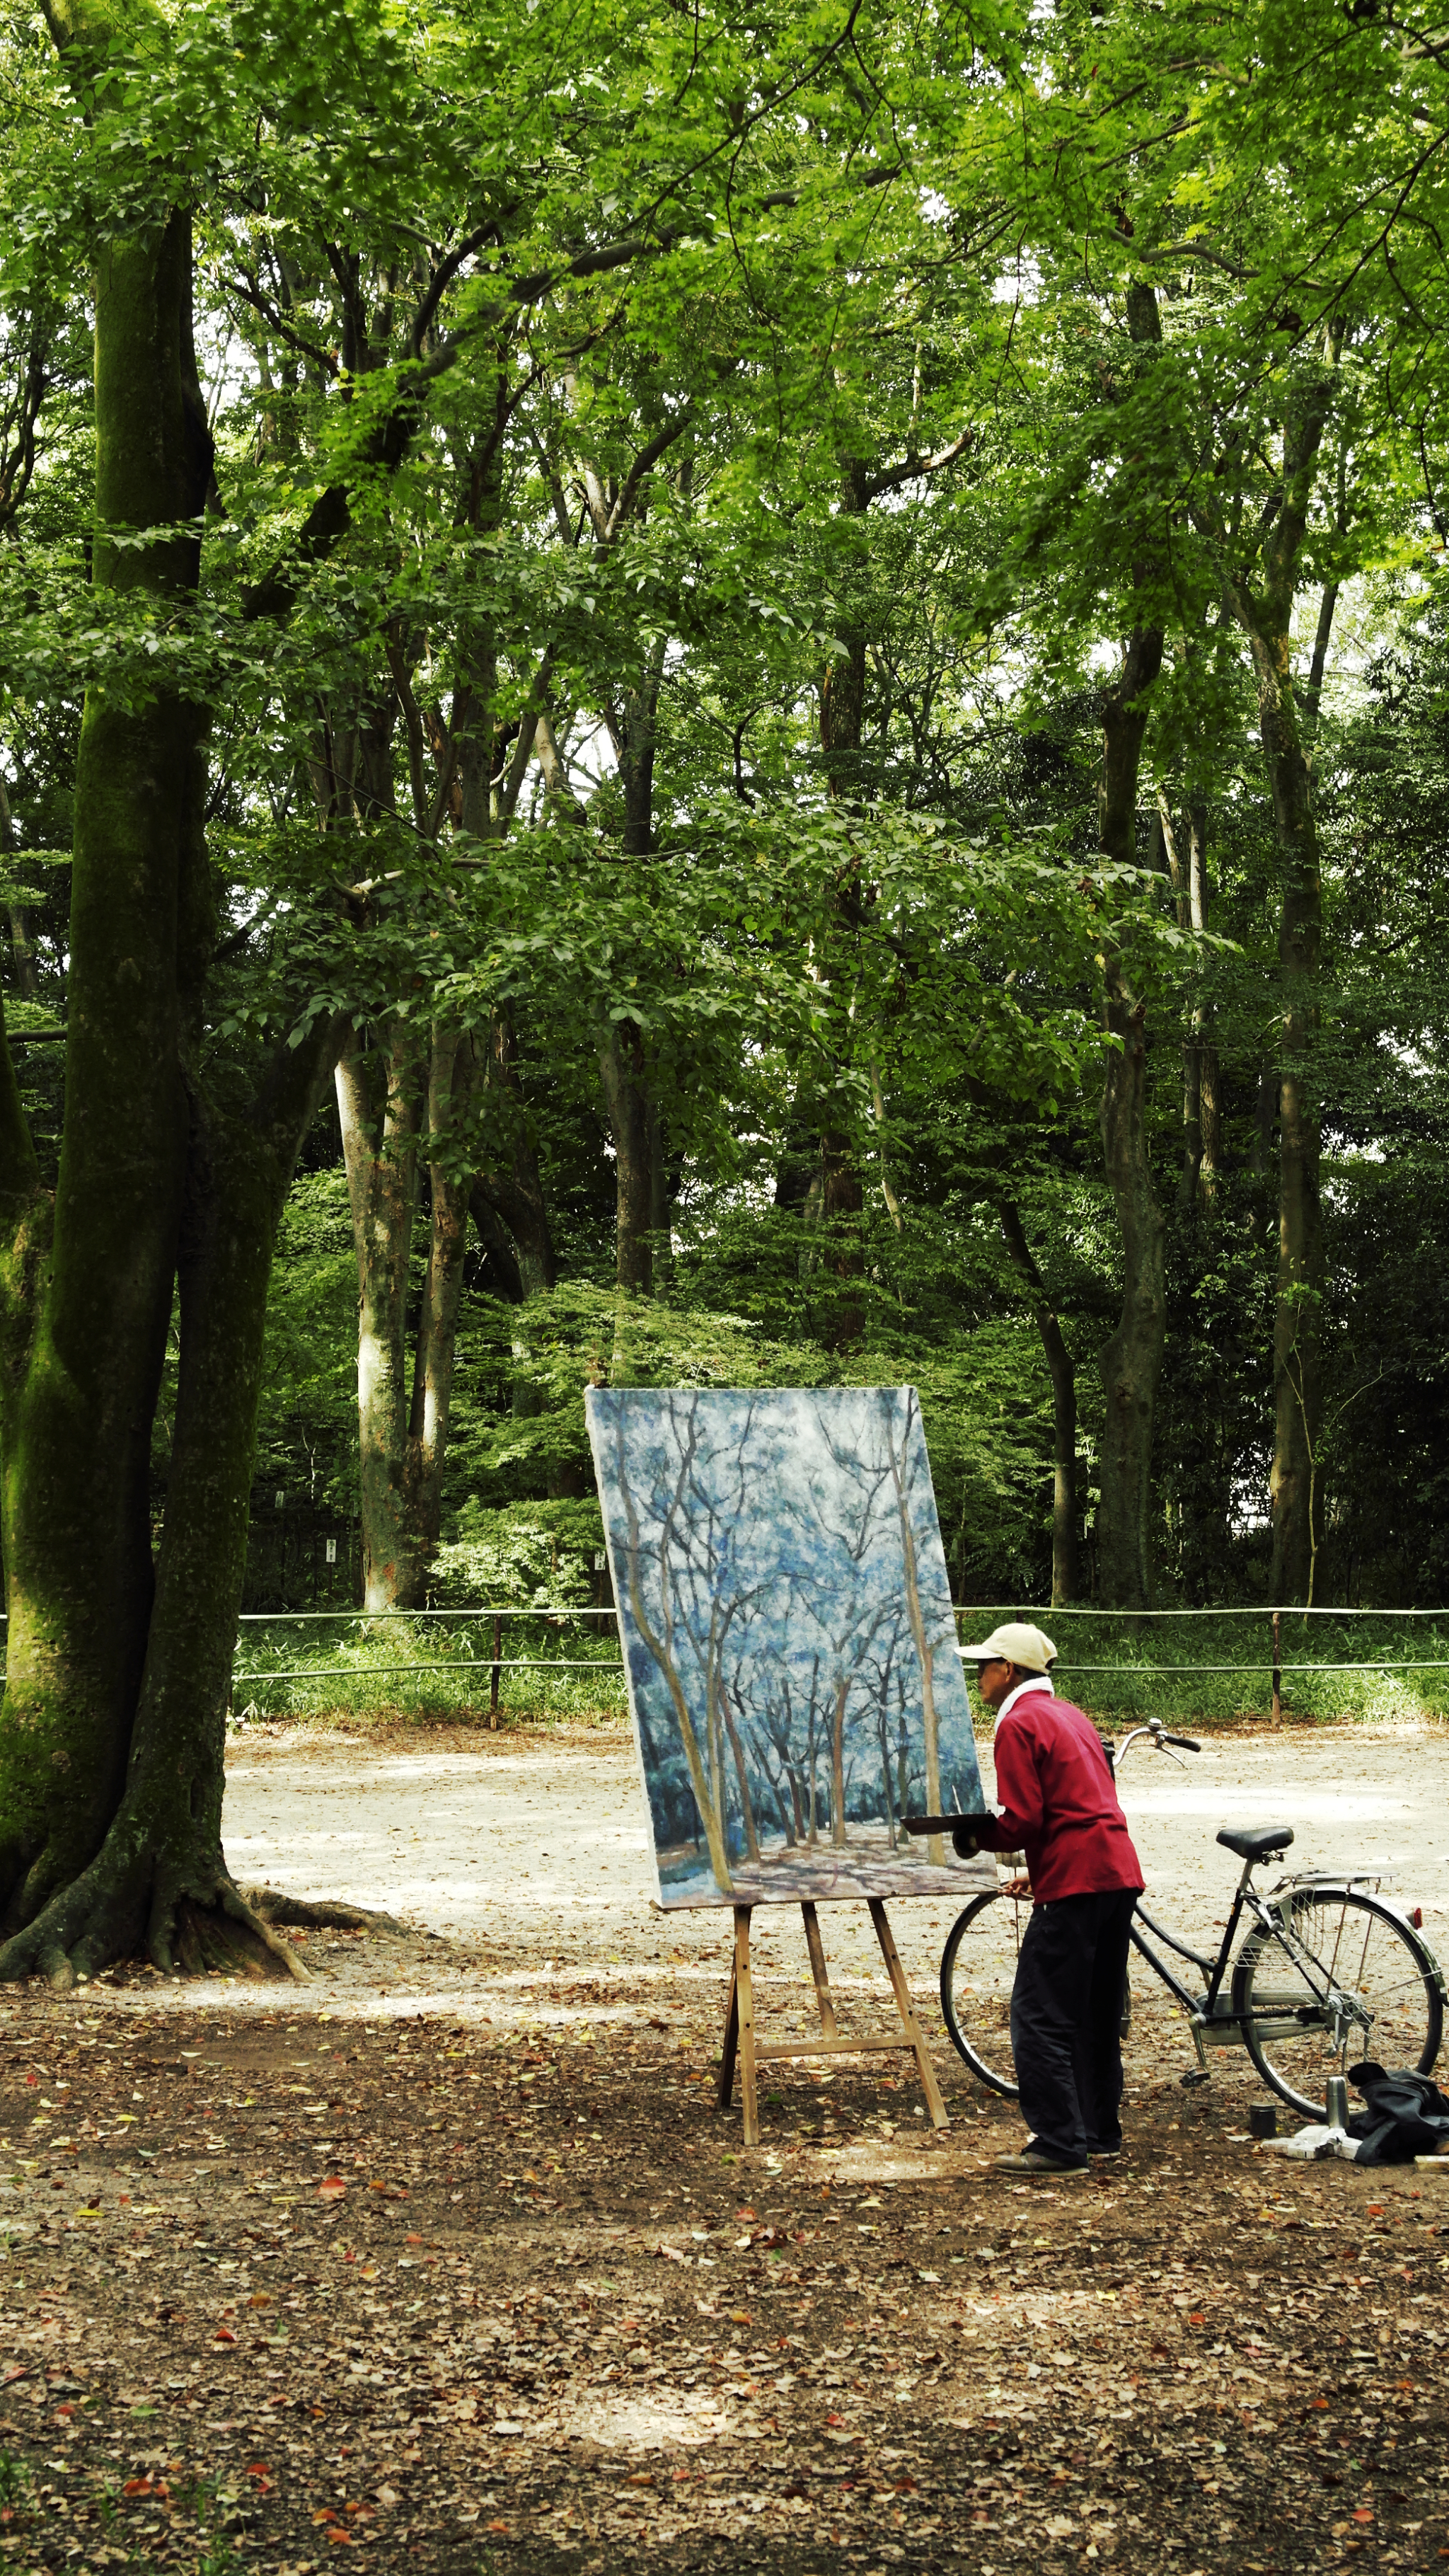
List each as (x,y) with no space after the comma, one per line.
(449,2257)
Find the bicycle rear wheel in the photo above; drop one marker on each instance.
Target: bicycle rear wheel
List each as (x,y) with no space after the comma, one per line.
(1389,1999)
(978,1971)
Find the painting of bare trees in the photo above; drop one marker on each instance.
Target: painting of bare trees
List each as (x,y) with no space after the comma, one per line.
(788,1638)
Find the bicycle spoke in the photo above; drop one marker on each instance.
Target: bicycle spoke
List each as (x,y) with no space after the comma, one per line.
(1347,1981)
(978,1971)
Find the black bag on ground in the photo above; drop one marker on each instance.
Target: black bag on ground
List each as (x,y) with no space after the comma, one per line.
(1406,2115)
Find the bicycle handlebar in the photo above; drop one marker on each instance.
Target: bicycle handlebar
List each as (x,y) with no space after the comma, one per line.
(1160,1737)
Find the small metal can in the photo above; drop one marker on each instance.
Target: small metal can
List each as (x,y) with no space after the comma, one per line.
(1336,2108)
(1262,2120)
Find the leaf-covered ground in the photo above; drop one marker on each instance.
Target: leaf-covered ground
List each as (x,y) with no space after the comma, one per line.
(475,2276)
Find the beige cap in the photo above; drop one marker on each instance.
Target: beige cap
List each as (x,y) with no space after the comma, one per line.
(1016,1643)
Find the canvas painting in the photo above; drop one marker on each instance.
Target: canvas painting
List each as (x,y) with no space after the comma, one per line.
(788,1640)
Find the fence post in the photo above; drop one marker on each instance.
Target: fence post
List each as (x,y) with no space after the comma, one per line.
(493,1675)
(1277,1668)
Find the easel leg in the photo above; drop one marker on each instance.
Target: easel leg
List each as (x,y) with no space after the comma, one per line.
(745,2016)
(940,2118)
(816,1948)
(731,2039)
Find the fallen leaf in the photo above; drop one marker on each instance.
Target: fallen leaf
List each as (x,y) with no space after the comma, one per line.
(223,2334)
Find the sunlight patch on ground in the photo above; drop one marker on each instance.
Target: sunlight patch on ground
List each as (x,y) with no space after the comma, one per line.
(662,2420)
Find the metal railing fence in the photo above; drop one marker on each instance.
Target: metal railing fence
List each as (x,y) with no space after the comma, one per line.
(1269,1617)
(352,1664)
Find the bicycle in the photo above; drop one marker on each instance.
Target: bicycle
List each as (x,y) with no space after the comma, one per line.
(1329,1964)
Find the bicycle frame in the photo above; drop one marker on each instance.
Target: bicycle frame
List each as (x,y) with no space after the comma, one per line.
(1213,2021)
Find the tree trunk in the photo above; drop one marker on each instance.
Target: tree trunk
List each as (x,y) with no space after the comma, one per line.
(1209,1105)
(451,1081)
(380,1149)
(403,1408)
(514,1188)
(661,1202)
(1131,1362)
(621,1062)
(429,1081)
(503,1277)
(1064,1404)
(159,1880)
(1297,1340)
(90,1282)
(626,1098)
(111,1727)
(842,727)
(1267,619)
(1201,1130)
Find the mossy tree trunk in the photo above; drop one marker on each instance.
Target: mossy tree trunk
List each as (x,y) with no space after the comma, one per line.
(159,1880)
(118,1675)
(91,1270)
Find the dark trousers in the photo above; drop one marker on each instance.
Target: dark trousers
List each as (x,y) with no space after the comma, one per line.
(1066,2009)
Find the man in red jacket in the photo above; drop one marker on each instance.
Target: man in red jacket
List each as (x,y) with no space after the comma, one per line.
(1055,1784)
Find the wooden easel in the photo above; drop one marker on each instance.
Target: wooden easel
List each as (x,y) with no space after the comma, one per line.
(739,2034)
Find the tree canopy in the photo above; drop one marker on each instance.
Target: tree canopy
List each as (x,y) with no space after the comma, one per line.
(737,699)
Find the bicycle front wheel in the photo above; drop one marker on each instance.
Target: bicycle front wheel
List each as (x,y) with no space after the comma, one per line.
(1380,1995)
(978,1971)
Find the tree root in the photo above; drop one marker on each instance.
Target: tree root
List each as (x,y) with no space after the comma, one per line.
(231,1938)
(184,1925)
(329,1916)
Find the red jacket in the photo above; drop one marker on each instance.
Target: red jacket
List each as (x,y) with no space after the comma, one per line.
(1053,1779)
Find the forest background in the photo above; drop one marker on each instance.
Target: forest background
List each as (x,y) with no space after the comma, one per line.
(712,698)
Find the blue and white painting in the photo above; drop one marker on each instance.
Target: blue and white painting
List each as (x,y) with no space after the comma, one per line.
(788,1638)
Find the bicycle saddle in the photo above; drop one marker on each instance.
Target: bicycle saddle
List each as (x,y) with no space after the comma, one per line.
(1259,1844)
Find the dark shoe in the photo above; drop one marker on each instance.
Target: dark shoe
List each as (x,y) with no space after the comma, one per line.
(1032,2166)
(1100,2154)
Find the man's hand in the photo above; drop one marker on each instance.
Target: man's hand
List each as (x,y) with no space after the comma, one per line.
(1017,1887)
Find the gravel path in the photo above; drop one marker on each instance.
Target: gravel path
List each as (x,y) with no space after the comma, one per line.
(533,1848)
